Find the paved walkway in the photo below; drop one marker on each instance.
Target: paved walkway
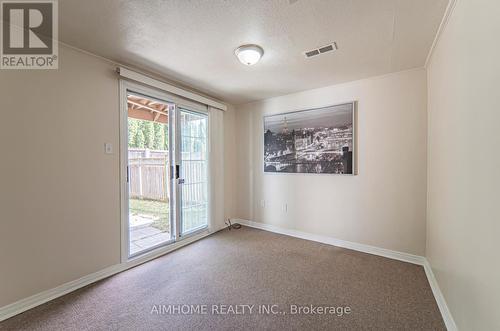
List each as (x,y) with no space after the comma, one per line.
(146,236)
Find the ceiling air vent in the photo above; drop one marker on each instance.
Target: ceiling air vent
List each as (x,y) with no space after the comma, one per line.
(312,53)
(321,50)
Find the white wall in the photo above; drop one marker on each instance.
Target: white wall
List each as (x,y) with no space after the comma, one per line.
(463,229)
(59,192)
(384,205)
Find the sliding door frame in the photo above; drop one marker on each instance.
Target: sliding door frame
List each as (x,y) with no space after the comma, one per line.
(178,156)
(174,160)
(125,89)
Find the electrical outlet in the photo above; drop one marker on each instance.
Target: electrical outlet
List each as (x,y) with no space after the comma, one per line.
(285,207)
(263,203)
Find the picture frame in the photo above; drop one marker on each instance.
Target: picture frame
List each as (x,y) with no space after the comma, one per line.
(318,140)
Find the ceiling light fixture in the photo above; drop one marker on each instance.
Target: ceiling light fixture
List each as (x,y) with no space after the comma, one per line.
(249,54)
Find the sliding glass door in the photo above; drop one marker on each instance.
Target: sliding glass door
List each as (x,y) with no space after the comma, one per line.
(165,160)
(193,159)
(148,172)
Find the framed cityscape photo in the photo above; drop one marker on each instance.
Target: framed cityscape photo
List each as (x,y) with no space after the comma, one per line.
(313,141)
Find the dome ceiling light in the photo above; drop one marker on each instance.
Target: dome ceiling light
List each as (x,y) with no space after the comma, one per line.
(249,54)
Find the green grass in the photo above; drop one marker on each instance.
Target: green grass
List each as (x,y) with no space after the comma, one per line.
(193,217)
(156,208)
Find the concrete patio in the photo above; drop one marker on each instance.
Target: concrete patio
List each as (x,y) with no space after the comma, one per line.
(143,234)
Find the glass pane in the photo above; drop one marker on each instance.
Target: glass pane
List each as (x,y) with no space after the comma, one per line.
(149,195)
(194,165)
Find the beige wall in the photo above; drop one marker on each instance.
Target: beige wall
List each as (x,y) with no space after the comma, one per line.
(463,229)
(384,205)
(59,194)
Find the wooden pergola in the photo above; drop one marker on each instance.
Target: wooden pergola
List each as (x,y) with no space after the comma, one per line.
(146,109)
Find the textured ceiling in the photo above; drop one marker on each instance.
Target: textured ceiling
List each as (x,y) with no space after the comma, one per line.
(192,42)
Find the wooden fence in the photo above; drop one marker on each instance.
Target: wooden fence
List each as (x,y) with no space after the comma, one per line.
(148,174)
(149,177)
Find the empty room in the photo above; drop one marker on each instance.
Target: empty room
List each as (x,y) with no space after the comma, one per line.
(250,165)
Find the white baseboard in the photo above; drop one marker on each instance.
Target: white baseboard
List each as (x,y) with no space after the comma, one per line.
(395,255)
(45,296)
(405,257)
(51,294)
(438,295)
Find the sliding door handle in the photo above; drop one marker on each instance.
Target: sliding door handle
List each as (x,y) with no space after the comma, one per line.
(174,172)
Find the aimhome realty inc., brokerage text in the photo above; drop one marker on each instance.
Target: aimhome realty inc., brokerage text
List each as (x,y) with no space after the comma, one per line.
(242,309)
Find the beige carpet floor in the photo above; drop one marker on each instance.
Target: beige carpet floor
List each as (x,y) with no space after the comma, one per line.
(248,267)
